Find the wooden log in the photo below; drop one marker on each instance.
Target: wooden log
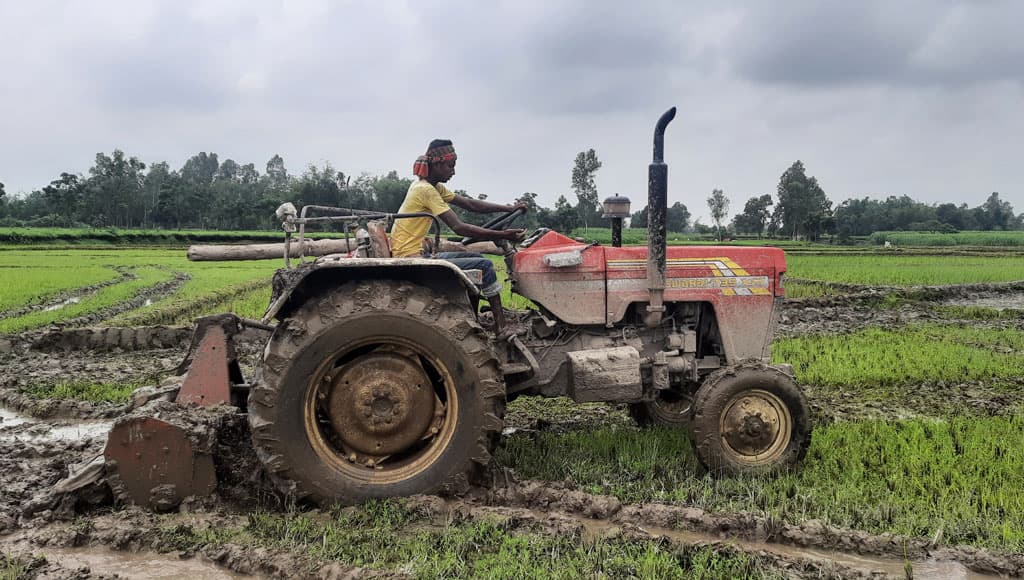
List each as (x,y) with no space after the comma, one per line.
(227,253)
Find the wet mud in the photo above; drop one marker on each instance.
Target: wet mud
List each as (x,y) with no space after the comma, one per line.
(746,527)
(112,542)
(44,442)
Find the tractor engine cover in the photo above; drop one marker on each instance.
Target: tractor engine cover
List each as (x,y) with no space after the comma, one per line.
(605,374)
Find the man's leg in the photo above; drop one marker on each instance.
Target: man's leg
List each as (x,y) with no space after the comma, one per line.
(490,289)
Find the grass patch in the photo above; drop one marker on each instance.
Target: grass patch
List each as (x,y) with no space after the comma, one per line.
(963,476)
(981,313)
(388,536)
(875,358)
(250,303)
(808,289)
(27,285)
(968,238)
(209,282)
(12,568)
(116,236)
(86,391)
(146,276)
(378,536)
(899,270)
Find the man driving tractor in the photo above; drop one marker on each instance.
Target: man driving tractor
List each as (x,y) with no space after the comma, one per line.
(429,194)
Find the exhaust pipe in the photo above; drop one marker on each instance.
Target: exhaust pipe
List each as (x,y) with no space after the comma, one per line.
(657,210)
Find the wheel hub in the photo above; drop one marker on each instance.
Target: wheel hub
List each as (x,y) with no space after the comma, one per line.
(381,403)
(756,425)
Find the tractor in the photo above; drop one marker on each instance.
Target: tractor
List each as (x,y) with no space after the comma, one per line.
(381,379)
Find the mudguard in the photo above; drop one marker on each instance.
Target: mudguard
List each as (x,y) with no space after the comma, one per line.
(292,285)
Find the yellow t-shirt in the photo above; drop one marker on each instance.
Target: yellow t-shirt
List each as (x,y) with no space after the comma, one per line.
(407,234)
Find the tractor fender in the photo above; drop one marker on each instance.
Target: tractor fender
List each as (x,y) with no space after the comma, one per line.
(293,286)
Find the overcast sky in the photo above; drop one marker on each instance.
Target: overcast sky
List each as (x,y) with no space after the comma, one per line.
(878,98)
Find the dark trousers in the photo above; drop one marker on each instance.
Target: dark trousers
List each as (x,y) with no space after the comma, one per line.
(474,261)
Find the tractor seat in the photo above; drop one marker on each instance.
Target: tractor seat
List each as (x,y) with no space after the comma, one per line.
(379,244)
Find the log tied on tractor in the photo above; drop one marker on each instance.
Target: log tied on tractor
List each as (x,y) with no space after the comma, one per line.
(381,379)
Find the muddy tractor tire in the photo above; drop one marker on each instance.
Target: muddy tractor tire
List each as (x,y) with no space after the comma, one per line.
(377,389)
(750,419)
(668,409)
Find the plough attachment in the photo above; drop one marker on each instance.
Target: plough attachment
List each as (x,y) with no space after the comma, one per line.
(164,451)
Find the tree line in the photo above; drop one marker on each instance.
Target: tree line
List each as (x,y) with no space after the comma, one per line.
(207,193)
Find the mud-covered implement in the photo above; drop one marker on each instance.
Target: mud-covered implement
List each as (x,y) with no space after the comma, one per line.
(381,377)
(159,458)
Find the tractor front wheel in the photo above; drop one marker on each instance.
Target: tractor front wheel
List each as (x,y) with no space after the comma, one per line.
(377,389)
(752,418)
(670,408)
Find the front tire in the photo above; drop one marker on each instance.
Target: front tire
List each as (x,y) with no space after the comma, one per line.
(377,389)
(750,419)
(670,408)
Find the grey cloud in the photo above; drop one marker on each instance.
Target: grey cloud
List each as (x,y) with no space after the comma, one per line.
(914,42)
(565,57)
(177,64)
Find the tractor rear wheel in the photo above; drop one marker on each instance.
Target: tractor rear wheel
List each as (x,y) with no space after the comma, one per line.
(670,408)
(377,389)
(750,419)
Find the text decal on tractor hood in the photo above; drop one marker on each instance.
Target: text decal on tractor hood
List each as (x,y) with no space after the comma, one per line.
(730,282)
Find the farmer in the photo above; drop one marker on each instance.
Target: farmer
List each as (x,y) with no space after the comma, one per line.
(428,194)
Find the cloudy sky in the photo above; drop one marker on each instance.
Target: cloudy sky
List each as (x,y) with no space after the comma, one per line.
(878,98)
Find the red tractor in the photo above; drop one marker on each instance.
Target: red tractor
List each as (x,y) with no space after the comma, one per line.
(380,380)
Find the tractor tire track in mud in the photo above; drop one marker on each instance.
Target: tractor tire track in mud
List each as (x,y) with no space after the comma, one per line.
(555,498)
(859,309)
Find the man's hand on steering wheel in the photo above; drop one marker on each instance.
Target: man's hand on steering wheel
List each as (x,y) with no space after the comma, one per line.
(515,236)
(519,204)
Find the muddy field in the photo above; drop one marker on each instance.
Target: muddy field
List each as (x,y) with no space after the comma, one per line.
(57,522)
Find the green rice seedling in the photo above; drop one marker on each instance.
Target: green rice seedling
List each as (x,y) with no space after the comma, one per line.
(875,358)
(25,285)
(981,313)
(903,270)
(87,391)
(911,477)
(1014,238)
(207,282)
(109,296)
(250,303)
(487,548)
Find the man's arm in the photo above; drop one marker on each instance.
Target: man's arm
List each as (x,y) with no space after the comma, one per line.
(481,206)
(476,232)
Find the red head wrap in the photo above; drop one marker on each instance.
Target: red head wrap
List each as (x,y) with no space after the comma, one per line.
(436,155)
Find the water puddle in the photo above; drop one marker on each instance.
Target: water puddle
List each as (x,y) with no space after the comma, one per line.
(922,569)
(143,565)
(1001,302)
(17,427)
(9,418)
(63,303)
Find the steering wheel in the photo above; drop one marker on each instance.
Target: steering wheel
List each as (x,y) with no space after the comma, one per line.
(499,223)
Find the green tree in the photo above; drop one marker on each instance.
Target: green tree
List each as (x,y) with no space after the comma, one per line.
(531,219)
(639,218)
(113,190)
(802,209)
(563,218)
(583,172)
(678,217)
(64,198)
(718,203)
(996,214)
(754,219)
